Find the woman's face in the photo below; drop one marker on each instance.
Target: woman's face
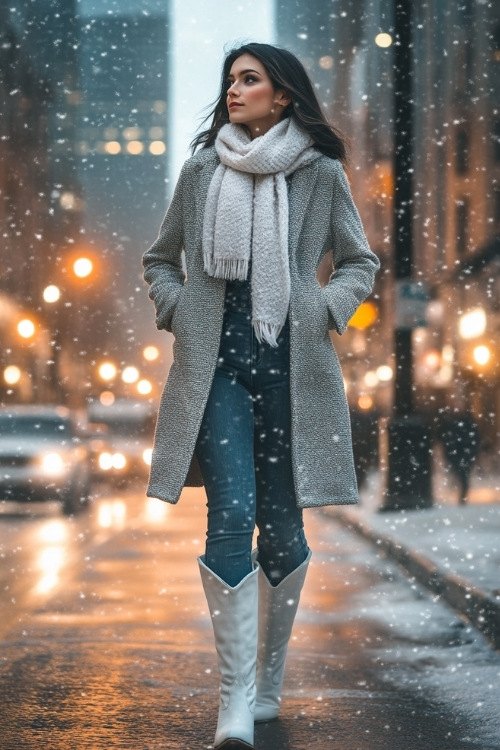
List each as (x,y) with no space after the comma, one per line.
(251,98)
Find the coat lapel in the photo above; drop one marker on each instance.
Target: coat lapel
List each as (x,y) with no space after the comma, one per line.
(301,193)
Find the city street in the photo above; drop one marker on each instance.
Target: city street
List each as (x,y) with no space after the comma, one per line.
(264,235)
(106,641)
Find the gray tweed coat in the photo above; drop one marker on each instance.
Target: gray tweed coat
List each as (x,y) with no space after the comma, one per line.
(322,217)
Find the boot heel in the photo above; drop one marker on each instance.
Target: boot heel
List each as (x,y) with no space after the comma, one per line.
(234,745)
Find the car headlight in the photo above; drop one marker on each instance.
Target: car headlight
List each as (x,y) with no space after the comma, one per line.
(105,461)
(53,464)
(108,461)
(119,461)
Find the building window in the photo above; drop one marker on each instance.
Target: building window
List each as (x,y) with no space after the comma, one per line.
(462,226)
(462,151)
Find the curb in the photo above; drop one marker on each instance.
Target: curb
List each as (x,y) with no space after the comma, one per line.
(478,607)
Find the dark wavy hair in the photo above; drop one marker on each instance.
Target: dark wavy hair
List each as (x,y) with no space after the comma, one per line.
(286,72)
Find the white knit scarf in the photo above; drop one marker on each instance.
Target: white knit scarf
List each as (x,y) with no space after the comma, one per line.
(246,216)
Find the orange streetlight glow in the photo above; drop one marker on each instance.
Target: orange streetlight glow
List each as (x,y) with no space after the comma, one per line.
(151,353)
(83,267)
(144,387)
(107,371)
(12,374)
(51,293)
(481,355)
(26,328)
(130,374)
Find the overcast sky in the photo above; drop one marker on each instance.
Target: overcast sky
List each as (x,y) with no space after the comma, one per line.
(201,31)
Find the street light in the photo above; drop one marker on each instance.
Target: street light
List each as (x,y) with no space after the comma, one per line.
(472,323)
(83,267)
(151,353)
(12,374)
(51,294)
(107,371)
(481,354)
(130,374)
(26,328)
(144,387)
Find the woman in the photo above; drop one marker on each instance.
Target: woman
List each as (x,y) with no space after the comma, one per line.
(255,397)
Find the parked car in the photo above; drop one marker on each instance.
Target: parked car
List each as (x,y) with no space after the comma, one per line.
(44,456)
(126,429)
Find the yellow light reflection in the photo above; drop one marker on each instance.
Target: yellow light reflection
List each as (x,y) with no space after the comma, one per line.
(53,532)
(156,510)
(46,583)
(112,514)
(49,562)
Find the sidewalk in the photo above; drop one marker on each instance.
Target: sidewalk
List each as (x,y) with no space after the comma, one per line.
(453,550)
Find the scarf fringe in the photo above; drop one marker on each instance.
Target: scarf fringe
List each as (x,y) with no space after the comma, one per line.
(267,332)
(223,268)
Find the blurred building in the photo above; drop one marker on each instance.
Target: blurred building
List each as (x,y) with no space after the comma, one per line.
(123,160)
(347,48)
(331,39)
(39,206)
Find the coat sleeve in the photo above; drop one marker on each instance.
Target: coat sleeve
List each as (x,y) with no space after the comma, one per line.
(354,263)
(162,263)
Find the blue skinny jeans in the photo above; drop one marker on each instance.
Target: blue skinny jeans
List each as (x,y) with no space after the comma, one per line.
(244,452)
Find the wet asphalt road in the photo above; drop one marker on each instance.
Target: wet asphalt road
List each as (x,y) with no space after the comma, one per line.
(106,642)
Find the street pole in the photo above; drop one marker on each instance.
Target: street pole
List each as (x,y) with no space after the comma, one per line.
(407,439)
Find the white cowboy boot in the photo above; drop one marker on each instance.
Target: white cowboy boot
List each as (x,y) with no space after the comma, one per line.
(277,610)
(234,619)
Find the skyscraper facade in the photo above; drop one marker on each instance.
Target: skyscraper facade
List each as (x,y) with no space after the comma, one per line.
(122,156)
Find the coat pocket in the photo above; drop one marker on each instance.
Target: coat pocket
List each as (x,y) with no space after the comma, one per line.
(165,301)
